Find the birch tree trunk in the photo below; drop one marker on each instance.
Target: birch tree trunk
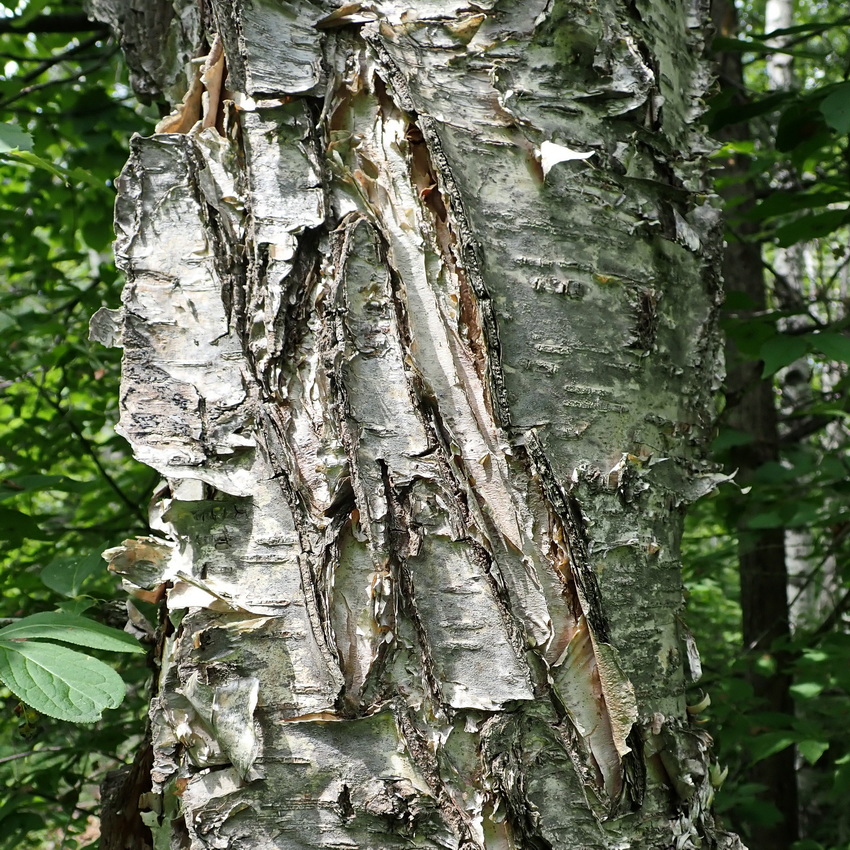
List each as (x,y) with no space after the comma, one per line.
(419,329)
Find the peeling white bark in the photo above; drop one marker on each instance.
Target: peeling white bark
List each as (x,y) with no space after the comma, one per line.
(419,327)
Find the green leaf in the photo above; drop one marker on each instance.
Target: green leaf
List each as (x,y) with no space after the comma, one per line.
(814,28)
(736,113)
(66,575)
(807,690)
(811,227)
(811,751)
(781,350)
(738,45)
(69,628)
(836,108)
(799,123)
(38,162)
(729,438)
(15,526)
(834,346)
(782,202)
(58,681)
(13,138)
(768,744)
(33,483)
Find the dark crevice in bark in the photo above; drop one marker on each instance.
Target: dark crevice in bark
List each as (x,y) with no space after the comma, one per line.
(400,536)
(569,513)
(290,325)
(437,163)
(274,444)
(423,757)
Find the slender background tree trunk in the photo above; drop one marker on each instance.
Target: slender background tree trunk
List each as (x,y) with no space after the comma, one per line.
(419,328)
(761,552)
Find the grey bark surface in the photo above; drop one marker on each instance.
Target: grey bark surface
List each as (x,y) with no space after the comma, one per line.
(419,329)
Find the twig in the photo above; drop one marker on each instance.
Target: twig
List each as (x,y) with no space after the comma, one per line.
(28,90)
(60,57)
(15,756)
(89,449)
(52,23)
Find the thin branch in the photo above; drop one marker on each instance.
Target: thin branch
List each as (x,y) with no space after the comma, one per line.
(28,90)
(52,23)
(90,451)
(810,425)
(16,756)
(834,617)
(61,57)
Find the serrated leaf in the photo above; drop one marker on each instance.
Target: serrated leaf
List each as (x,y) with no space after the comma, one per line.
(65,576)
(69,628)
(811,751)
(779,351)
(836,108)
(58,681)
(38,162)
(12,137)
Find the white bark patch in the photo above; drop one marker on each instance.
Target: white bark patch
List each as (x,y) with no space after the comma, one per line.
(551,154)
(184,390)
(273,47)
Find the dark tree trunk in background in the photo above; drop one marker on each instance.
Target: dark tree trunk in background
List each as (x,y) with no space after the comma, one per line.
(419,329)
(761,552)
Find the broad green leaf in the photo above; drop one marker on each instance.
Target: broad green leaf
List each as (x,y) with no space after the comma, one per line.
(66,575)
(32,483)
(833,346)
(736,113)
(15,526)
(69,628)
(738,45)
(38,162)
(781,350)
(836,108)
(797,124)
(811,751)
(811,227)
(13,138)
(768,744)
(807,690)
(781,202)
(814,28)
(58,681)
(729,438)
(766,519)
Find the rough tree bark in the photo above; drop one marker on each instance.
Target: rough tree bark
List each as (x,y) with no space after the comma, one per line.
(419,328)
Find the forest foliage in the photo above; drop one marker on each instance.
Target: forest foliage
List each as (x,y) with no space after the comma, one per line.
(69,490)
